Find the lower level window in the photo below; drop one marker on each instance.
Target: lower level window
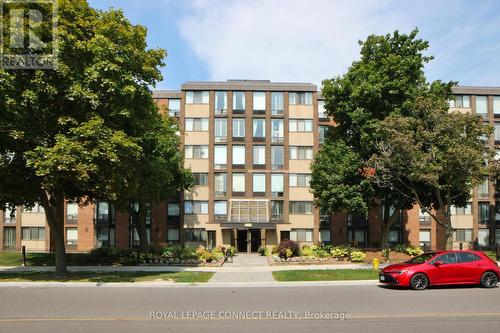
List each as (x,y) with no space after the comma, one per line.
(462,235)
(172,235)
(33,233)
(425,238)
(301,235)
(195,235)
(301,207)
(71,236)
(324,235)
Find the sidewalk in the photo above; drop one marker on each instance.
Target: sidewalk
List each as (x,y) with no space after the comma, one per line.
(244,268)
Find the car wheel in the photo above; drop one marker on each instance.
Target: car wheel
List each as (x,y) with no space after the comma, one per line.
(489,280)
(419,281)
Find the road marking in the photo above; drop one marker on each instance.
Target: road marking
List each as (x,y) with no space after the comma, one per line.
(353,317)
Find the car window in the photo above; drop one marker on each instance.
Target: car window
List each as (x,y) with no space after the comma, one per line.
(467,257)
(421,258)
(448,258)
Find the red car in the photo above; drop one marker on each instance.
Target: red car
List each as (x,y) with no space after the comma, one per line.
(442,268)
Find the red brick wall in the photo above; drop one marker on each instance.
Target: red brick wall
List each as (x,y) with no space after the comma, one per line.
(122,230)
(86,234)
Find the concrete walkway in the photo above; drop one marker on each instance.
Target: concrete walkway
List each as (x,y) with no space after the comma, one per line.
(242,263)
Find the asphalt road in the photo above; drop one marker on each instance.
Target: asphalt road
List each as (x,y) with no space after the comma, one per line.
(264,309)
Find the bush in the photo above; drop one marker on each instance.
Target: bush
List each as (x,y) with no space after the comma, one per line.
(308,251)
(340,251)
(322,251)
(263,251)
(357,256)
(275,249)
(217,253)
(409,250)
(231,251)
(288,249)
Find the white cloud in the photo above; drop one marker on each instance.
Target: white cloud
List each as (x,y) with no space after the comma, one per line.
(296,40)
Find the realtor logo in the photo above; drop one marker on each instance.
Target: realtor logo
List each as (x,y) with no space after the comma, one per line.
(28,34)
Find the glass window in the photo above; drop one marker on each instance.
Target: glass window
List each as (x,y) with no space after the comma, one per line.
(304,98)
(172,234)
(196,207)
(238,182)
(196,97)
(299,179)
(196,124)
(300,125)
(460,101)
(200,152)
(220,207)
(496,104)
(173,209)
(301,235)
(33,233)
(484,213)
(277,132)
(301,207)
(200,179)
(462,235)
(467,210)
(248,211)
(174,107)
(259,101)
(37,208)
(9,215)
(259,182)
(259,155)
(220,156)
(321,110)
(259,128)
(324,235)
(301,153)
(323,131)
(238,100)
(220,129)
(424,217)
(220,101)
(72,211)
(277,210)
(220,186)
(497,131)
(277,105)
(482,105)
(425,237)
(483,237)
(195,235)
(467,257)
(238,128)
(277,157)
(483,190)
(71,236)
(277,184)
(238,155)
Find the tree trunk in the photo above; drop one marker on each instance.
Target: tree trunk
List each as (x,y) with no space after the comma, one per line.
(143,234)
(53,204)
(449,236)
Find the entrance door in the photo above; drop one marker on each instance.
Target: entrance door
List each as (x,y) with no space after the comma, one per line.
(242,240)
(255,239)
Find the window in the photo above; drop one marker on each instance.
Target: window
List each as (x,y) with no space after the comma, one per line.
(300,125)
(259,155)
(467,257)
(277,130)
(425,238)
(220,156)
(462,235)
(448,258)
(277,210)
(200,179)
(295,98)
(173,209)
(497,131)
(277,184)
(321,110)
(9,238)
(9,215)
(460,101)
(196,207)
(301,235)
(484,213)
(277,157)
(196,97)
(483,190)
(393,237)
(238,128)
(467,210)
(71,236)
(301,207)
(238,155)
(259,182)
(324,235)
(483,237)
(200,151)
(37,208)
(259,128)
(496,104)
(277,106)
(102,211)
(195,235)
(299,179)
(172,234)
(220,184)
(220,129)
(174,107)
(243,211)
(322,133)
(220,207)
(482,105)
(259,101)
(72,211)
(301,153)
(238,182)
(33,233)
(424,217)
(196,124)
(238,101)
(220,102)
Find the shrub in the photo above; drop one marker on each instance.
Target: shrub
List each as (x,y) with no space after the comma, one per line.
(357,256)
(217,253)
(263,251)
(275,249)
(340,251)
(409,250)
(322,251)
(288,249)
(308,251)
(231,251)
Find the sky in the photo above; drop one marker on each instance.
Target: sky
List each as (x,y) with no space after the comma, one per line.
(311,40)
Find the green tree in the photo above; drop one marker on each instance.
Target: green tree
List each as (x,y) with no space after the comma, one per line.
(385,81)
(74,132)
(433,157)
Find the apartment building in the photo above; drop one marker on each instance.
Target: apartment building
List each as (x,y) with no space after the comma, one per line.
(249,144)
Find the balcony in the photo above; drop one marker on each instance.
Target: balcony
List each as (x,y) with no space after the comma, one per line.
(248,211)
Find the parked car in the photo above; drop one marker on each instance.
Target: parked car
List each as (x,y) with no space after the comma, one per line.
(443,268)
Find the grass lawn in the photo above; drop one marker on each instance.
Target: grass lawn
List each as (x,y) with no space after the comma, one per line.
(44,259)
(186,277)
(325,275)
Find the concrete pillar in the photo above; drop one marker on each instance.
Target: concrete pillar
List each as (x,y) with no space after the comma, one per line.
(263,237)
(235,238)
